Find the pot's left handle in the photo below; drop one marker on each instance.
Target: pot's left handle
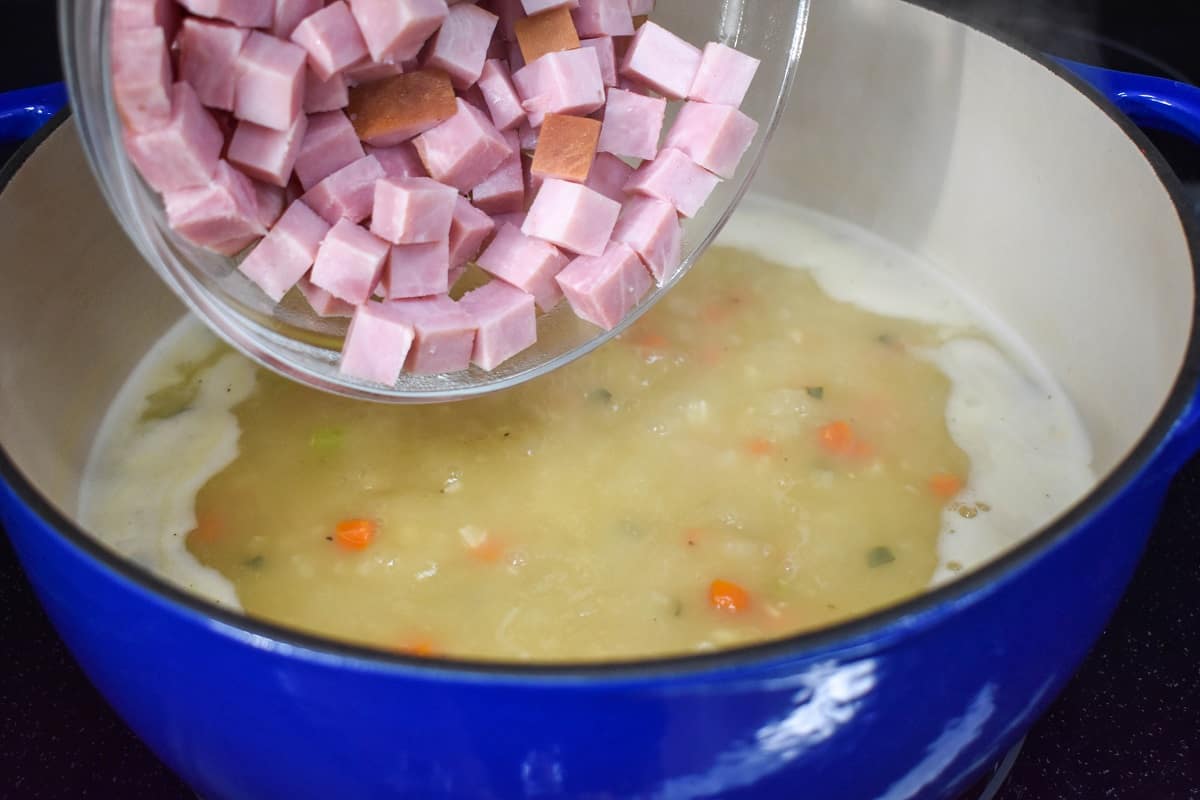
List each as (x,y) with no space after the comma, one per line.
(24,111)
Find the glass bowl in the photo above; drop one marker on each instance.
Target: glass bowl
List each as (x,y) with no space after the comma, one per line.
(287,337)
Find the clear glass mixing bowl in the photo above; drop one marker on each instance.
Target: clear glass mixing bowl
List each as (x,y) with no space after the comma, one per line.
(290,339)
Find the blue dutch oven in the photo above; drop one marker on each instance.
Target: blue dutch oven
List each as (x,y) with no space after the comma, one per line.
(1019,175)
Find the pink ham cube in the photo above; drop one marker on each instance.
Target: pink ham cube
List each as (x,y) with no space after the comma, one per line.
(330,95)
(128,14)
(221,215)
(527,263)
(270,84)
(369,71)
(181,153)
(287,252)
(271,201)
(528,136)
(724,75)
(412,210)
(676,179)
(608,176)
(265,154)
(715,137)
(395,30)
(606,55)
(348,193)
(349,262)
(208,60)
(377,344)
(474,96)
(572,216)
(562,82)
(399,161)
(141,76)
(289,13)
(632,124)
(246,13)
(332,40)
(538,6)
(417,270)
(463,150)
(516,220)
(445,335)
(604,289)
(469,229)
(662,61)
(322,302)
(459,48)
(603,18)
(329,144)
(641,8)
(505,320)
(503,104)
(503,192)
(651,229)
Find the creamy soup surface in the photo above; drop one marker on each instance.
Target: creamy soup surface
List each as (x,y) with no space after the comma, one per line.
(752,459)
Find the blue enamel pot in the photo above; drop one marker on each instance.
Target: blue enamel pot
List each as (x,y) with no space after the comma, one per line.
(1010,171)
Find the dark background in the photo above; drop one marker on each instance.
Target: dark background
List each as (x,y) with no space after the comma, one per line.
(1127,727)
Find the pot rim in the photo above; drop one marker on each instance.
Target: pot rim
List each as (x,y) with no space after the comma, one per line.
(873,629)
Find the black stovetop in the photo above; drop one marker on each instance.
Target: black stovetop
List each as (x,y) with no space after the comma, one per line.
(1127,727)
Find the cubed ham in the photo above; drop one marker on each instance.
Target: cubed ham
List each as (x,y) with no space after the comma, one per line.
(516,220)
(287,252)
(572,216)
(463,150)
(368,71)
(505,321)
(469,229)
(182,152)
(474,96)
(208,60)
(662,61)
(246,13)
(539,6)
(141,76)
(606,55)
(329,144)
(412,210)
(332,40)
(608,176)
(566,148)
(503,192)
(632,124)
(399,161)
(349,262)
(270,83)
(651,229)
(509,11)
(396,109)
(322,302)
(129,14)
(265,154)
(527,135)
(271,200)
(348,193)
(504,106)
(445,335)
(641,8)
(330,95)
(459,48)
(395,30)
(417,270)
(547,32)
(676,179)
(604,289)
(377,344)
(567,82)
(288,14)
(715,137)
(527,263)
(221,215)
(603,18)
(724,75)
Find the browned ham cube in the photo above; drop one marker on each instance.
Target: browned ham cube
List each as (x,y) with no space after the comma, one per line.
(566,147)
(393,110)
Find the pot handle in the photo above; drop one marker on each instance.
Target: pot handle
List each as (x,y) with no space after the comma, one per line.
(24,111)
(1157,103)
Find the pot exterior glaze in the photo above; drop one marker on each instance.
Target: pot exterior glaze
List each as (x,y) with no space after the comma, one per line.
(987,162)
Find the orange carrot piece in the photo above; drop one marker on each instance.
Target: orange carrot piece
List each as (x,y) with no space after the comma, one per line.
(355,534)
(945,485)
(836,437)
(728,596)
(422,647)
(759,446)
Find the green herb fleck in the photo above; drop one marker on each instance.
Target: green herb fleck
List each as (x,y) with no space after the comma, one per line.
(600,396)
(878,556)
(326,441)
(255,563)
(816,392)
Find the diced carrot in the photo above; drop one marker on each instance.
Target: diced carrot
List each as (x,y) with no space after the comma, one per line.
(836,437)
(728,596)
(759,446)
(422,647)
(355,534)
(490,552)
(651,341)
(209,527)
(945,485)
